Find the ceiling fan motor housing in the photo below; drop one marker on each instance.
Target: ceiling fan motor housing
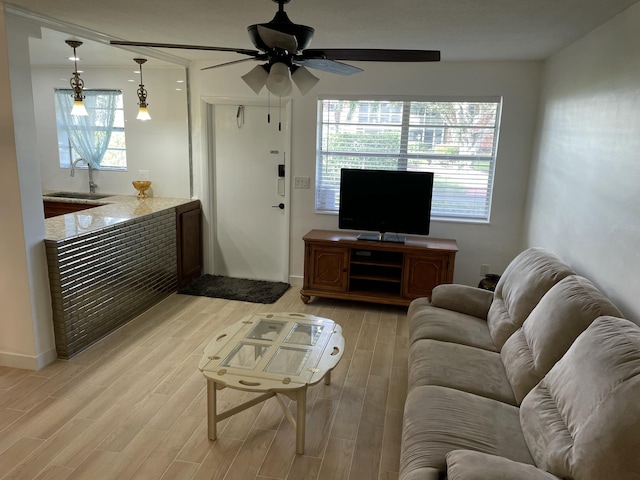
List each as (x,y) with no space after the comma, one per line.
(281,23)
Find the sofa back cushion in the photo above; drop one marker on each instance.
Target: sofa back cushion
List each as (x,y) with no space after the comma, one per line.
(583,419)
(562,314)
(525,280)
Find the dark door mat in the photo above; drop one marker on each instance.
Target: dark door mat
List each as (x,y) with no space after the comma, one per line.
(241,289)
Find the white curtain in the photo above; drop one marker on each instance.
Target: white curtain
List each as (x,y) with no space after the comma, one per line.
(89,135)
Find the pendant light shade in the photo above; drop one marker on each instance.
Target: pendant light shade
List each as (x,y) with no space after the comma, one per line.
(279,81)
(304,79)
(256,78)
(79,108)
(77,84)
(143,112)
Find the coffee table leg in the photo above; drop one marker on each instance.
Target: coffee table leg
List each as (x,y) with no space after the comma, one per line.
(211,409)
(301,415)
(327,377)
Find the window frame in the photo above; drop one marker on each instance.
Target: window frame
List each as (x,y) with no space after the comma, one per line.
(64,144)
(403,154)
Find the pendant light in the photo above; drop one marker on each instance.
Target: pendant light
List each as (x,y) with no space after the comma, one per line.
(143,113)
(77,84)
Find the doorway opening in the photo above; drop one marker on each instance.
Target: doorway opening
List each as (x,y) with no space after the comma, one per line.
(249,185)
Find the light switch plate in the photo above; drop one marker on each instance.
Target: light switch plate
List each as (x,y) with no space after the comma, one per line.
(302,182)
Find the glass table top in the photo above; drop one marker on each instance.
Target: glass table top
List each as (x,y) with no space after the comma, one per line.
(245,355)
(304,334)
(267,329)
(273,346)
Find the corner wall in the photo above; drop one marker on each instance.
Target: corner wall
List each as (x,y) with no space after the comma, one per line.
(26,332)
(585,177)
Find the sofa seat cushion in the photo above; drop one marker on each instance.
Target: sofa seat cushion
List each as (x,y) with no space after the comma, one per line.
(524,282)
(583,419)
(449,326)
(564,312)
(473,370)
(438,420)
(469,465)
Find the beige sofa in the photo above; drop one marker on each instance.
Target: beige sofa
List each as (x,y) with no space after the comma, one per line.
(539,380)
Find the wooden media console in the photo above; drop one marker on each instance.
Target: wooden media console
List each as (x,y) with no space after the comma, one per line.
(338,265)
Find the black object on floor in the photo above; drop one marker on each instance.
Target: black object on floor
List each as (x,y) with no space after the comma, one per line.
(241,289)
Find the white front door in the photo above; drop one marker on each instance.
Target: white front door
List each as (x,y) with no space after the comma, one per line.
(251,230)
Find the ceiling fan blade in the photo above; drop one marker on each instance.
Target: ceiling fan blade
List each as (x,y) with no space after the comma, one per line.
(374,54)
(252,53)
(275,39)
(234,62)
(327,65)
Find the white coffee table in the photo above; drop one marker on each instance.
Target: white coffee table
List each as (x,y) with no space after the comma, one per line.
(276,354)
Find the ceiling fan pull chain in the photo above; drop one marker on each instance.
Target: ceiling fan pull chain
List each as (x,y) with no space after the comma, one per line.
(240,116)
(268,107)
(279,114)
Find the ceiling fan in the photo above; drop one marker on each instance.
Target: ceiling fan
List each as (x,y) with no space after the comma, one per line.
(283,44)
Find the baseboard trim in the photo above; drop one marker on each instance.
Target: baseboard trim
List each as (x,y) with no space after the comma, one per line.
(28,362)
(296,280)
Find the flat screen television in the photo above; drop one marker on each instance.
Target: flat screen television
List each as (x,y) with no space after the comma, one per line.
(385,201)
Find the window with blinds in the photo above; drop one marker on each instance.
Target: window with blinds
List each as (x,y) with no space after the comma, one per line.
(457,140)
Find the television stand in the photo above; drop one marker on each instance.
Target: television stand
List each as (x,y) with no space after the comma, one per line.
(338,265)
(382,237)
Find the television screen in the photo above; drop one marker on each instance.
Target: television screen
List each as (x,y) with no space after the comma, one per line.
(385,201)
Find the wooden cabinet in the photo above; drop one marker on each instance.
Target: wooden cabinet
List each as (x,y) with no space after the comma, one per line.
(189,241)
(53,209)
(328,268)
(338,265)
(423,272)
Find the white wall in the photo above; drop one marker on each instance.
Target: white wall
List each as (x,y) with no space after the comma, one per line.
(585,178)
(26,331)
(495,243)
(160,145)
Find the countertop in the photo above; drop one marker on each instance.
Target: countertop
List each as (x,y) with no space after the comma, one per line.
(108,211)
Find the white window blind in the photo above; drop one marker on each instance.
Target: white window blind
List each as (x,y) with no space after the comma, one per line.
(457,140)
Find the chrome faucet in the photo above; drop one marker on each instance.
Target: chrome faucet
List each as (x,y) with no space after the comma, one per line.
(92,186)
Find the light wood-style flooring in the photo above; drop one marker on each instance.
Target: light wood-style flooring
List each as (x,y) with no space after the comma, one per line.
(133,406)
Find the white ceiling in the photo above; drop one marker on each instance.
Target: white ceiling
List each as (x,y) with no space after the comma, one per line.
(464,30)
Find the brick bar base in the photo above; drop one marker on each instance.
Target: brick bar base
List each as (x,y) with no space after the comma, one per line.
(104,279)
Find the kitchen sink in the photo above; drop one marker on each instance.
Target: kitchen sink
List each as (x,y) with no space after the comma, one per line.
(78,195)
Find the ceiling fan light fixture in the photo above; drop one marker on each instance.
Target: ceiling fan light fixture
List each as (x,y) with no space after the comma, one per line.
(256,78)
(304,79)
(279,81)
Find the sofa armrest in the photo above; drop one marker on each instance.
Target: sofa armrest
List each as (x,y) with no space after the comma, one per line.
(463,299)
(470,465)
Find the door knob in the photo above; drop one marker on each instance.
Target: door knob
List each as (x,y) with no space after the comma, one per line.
(280,206)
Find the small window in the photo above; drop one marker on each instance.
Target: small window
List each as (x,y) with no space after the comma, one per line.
(97,103)
(455,139)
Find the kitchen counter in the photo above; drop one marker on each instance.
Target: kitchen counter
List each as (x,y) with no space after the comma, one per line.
(107,211)
(115,259)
